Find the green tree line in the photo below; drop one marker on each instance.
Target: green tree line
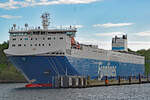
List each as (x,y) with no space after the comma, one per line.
(146,54)
(7,70)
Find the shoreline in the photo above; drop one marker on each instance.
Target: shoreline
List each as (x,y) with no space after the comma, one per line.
(13,81)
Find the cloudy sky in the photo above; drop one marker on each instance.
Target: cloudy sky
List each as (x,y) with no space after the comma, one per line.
(97,20)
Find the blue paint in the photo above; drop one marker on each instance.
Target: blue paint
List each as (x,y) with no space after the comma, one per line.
(35,66)
(118,48)
(90,66)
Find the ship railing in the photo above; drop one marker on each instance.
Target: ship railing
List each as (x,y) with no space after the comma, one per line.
(38,28)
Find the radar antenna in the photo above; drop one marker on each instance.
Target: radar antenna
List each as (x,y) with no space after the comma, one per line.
(45,20)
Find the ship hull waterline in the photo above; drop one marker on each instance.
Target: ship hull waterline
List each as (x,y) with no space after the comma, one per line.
(41,70)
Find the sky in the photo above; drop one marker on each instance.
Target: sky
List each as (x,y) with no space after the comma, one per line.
(97,20)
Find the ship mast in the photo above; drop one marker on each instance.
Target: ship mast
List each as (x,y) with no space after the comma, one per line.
(45,20)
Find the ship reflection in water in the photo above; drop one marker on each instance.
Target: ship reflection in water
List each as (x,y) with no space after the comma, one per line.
(126,92)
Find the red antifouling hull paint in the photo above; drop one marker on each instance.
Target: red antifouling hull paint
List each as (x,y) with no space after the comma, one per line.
(38,85)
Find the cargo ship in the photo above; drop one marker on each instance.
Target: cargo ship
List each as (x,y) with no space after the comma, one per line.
(43,53)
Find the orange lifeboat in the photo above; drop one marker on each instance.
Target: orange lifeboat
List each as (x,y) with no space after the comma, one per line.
(73,41)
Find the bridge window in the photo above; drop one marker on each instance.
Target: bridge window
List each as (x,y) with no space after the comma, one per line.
(14,38)
(36,33)
(13,45)
(43,33)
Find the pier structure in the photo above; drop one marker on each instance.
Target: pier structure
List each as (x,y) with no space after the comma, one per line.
(69,82)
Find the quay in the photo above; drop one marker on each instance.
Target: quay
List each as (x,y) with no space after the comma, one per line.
(82,82)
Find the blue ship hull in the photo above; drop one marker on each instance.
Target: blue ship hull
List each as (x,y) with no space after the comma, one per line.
(42,69)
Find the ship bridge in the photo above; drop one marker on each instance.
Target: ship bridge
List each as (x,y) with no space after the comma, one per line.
(34,31)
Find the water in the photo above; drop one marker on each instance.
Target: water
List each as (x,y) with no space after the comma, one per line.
(126,92)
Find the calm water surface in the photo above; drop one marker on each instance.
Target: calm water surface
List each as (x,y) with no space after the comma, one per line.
(127,92)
